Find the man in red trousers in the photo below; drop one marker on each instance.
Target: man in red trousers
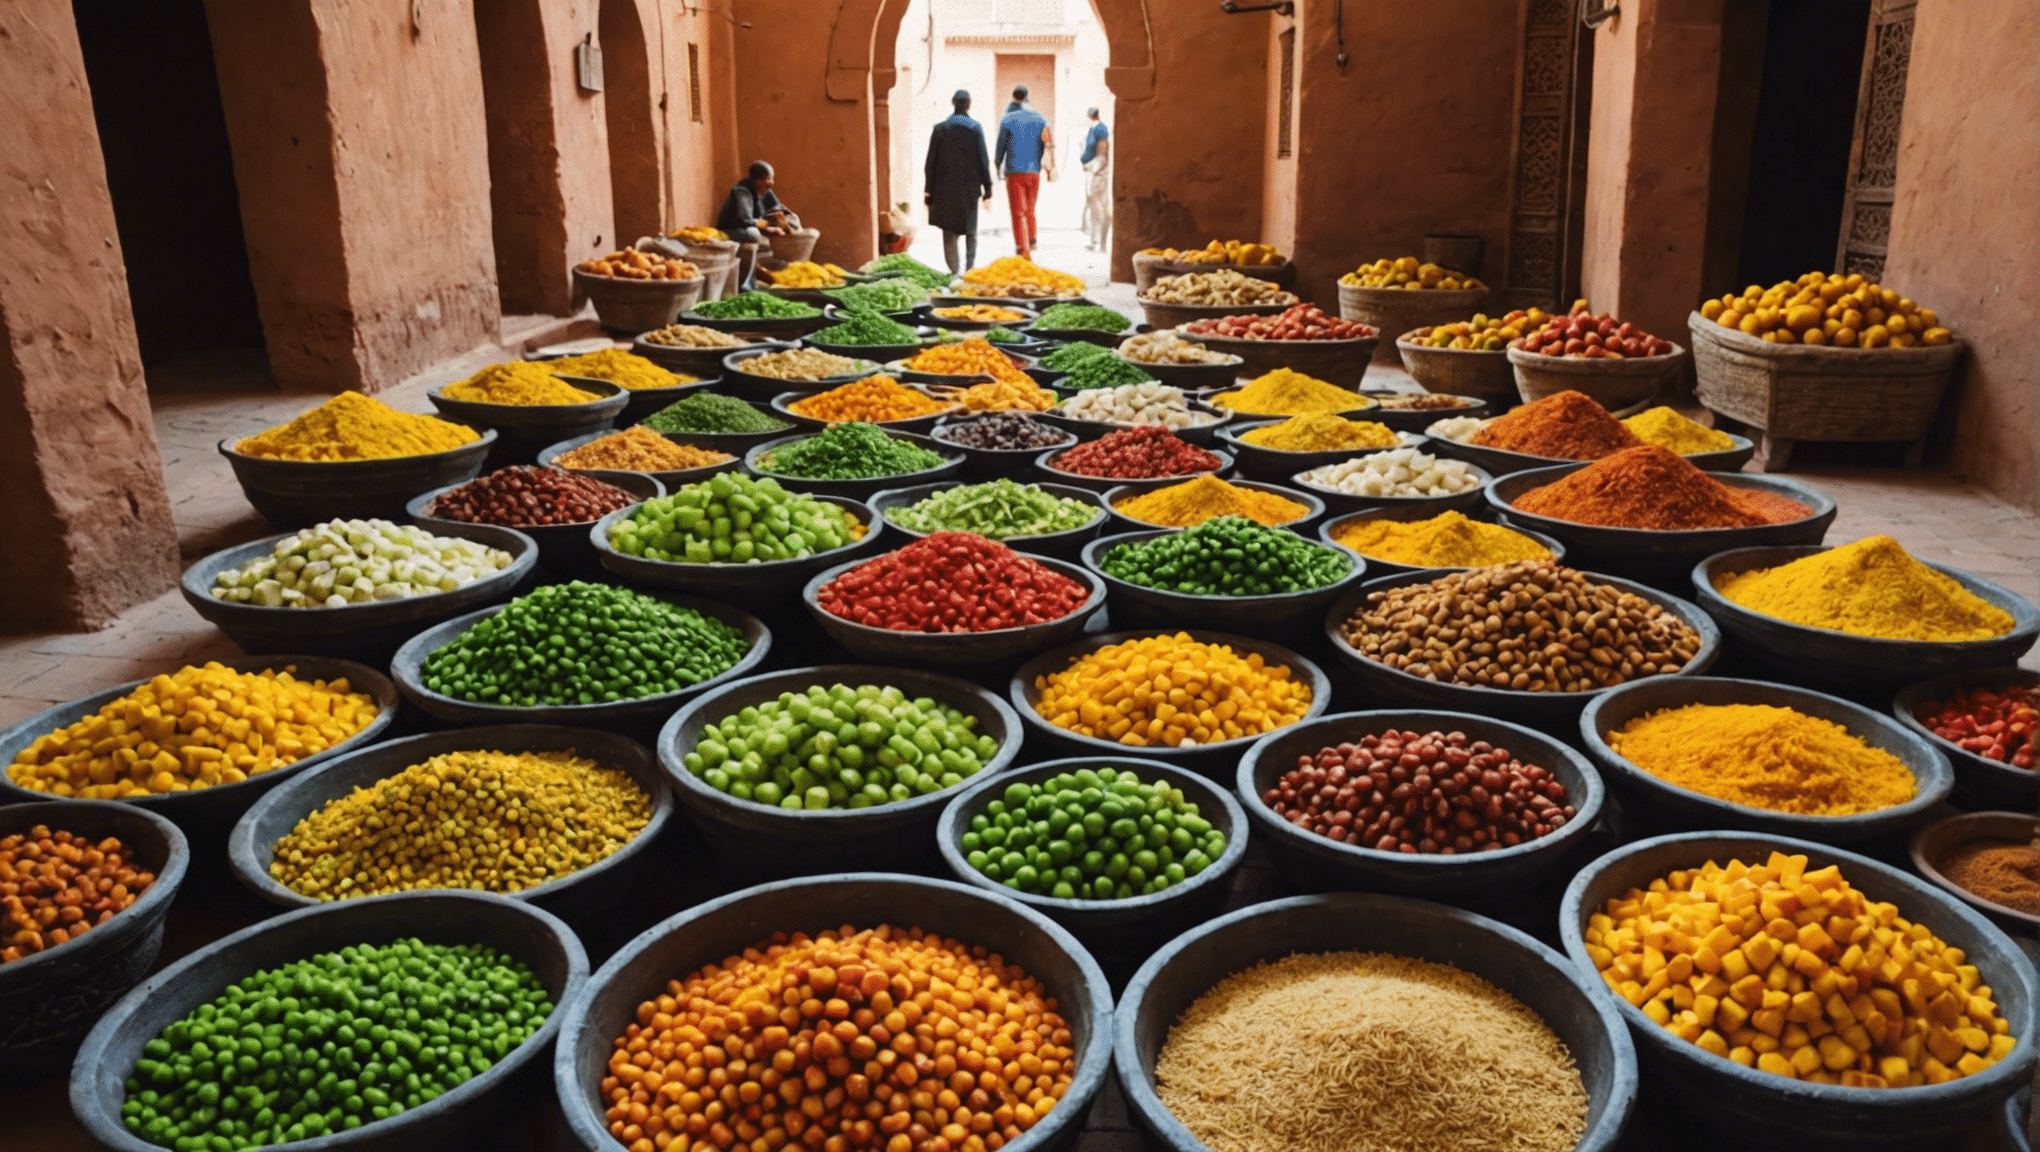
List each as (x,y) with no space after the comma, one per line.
(1026,149)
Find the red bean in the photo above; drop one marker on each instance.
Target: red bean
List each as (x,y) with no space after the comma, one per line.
(527,496)
(1137,453)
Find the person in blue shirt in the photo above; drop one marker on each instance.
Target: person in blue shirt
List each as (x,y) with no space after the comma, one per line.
(957,176)
(1026,149)
(749,213)
(1097,159)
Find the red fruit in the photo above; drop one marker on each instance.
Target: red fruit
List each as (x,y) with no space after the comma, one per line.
(1575,346)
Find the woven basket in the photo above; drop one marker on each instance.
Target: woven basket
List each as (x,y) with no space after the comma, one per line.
(1459,371)
(796,247)
(1148,269)
(1341,362)
(1611,383)
(717,260)
(1795,392)
(635,306)
(1401,309)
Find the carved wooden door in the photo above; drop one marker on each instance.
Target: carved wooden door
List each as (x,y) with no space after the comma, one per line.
(1548,181)
(1873,155)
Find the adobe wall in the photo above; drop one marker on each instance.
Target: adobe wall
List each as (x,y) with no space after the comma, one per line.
(89,530)
(1965,227)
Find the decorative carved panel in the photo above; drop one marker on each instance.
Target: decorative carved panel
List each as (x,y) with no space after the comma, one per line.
(1543,196)
(1873,155)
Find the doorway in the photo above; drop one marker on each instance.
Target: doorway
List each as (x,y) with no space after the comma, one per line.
(634,140)
(527,216)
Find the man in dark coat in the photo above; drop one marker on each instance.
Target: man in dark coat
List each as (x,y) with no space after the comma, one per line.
(958,175)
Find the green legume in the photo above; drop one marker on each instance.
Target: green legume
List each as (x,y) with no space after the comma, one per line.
(840,747)
(997,510)
(890,295)
(733,519)
(710,412)
(329,1043)
(866,327)
(1228,556)
(852,451)
(906,267)
(1068,356)
(1092,834)
(755,306)
(1086,316)
(582,643)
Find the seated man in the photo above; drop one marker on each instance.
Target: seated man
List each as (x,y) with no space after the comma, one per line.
(751,213)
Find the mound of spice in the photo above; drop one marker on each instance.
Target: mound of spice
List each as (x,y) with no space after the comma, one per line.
(755,306)
(951,582)
(1141,453)
(874,400)
(867,327)
(1006,395)
(1653,488)
(854,451)
(1193,502)
(621,368)
(55,886)
(972,357)
(519,382)
(1364,1050)
(2001,872)
(692,336)
(1171,690)
(478,820)
(1447,540)
(1288,393)
(1762,756)
(1019,271)
(998,510)
(1469,796)
(637,449)
(1665,426)
(1920,1012)
(351,426)
(530,496)
(1003,432)
(709,412)
(1531,626)
(1322,432)
(1228,556)
(802,364)
(1872,587)
(1562,426)
(1994,724)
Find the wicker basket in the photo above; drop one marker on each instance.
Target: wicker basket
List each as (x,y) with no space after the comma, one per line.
(1341,362)
(1401,309)
(636,306)
(1148,269)
(1795,392)
(1460,371)
(717,260)
(1160,315)
(794,248)
(1610,382)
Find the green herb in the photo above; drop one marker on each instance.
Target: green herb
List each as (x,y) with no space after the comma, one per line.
(865,327)
(1069,356)
(755,306)
(890,295)
(1089,317)
(1228,556)
(852,451)
(710,412)
(1007,336)
(906,267)
(1106,371)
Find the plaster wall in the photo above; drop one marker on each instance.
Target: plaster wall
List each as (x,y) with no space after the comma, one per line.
(1965,226)
(1278,171)
(89,521)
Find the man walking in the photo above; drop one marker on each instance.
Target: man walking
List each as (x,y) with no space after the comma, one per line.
(957,176)
(1025,151)
(1097,159)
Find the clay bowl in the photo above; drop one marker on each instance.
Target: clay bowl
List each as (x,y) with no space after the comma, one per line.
(1932,845)
(772,328)
(1663,804)
(1545,711)
(734,443)
(1328,530)
(558,544)
(757,461)
(51,998)
(1739,1099)
(643,402)
(536,938)
(1340,503)
(837,313)
(708,933)
(1357,412)
(408,668)
(816,841)
(1064,545)
(1138,605)
(1497,462)
(669,481)
(1110,927)
(1341,362)
(1165,315)
(1828,655)
(763,585)
(1212,759)
(1320,863)
(296,493)
(206,812)
(1302,525)
(1460,371)
(899,370)
(782,407)
(1992,781)
(1277,465)
(1726,460)
(1397,309)
(925,314)
(955,296)
(1191,377)
(1663,558)
(703,362)
(761,389)
(1203,435)
(987,463)
(1044,464)
(377,626)
(878,352)
(1610,382)
(577,898)
(1188,966)
(542,423)
(623,305)
(1415,419)
(953,650)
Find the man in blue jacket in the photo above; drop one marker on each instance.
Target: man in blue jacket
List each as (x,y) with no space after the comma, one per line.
(1026,150)
(957,176)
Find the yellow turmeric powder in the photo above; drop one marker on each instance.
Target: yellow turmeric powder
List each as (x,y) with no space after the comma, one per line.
(522,382)
(1872,587)
(1665,426)
(621,368)
(1192,502)
(351,426)
(1287,393)
(1766,757)
(1322,432)
(1447,540)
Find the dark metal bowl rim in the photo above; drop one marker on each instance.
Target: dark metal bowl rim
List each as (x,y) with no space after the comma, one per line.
(521,563)
(2025,616)
(1094,561)
(599,536)
(1818,503)
(169,873)
(1095,594)
(1931,871)
(486,437)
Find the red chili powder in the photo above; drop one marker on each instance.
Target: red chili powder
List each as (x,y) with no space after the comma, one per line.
(1564,426)
(1655,488)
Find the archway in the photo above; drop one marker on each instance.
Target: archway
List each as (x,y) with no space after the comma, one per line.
(635,165)
(528,213)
